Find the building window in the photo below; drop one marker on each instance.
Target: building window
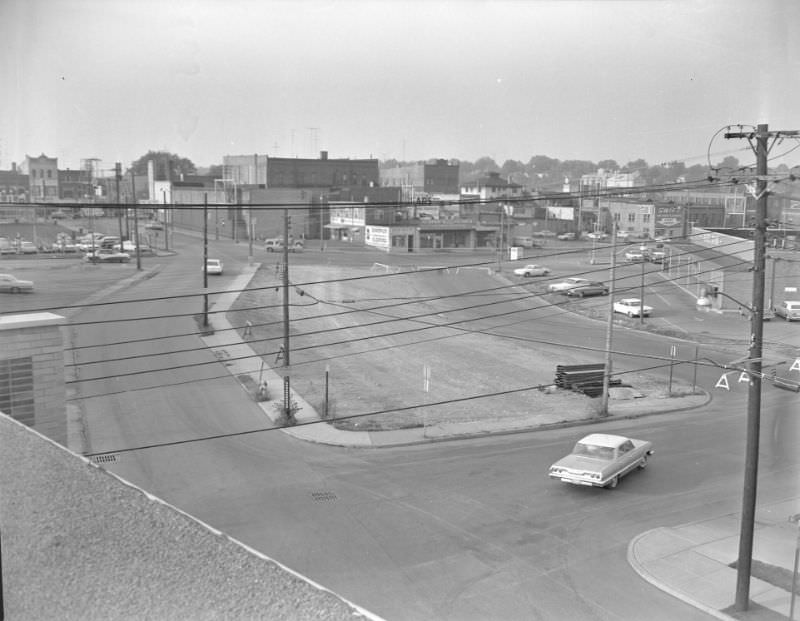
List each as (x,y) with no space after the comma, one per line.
(646,218)
(49,174)
(631,217)
(16,389)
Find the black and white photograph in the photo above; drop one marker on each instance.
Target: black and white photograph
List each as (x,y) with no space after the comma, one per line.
(402,310)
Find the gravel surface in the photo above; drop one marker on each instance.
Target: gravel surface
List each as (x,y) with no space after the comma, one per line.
(379,382)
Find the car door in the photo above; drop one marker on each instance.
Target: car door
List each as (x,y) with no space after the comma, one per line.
(626,456)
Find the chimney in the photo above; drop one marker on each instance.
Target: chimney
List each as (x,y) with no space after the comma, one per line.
(323,155)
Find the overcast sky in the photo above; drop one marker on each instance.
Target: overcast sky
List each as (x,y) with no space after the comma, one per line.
(404,79)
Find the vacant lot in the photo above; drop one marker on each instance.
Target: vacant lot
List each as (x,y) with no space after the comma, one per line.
(396,354)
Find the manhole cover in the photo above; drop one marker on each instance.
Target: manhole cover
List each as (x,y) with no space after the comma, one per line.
(323,496)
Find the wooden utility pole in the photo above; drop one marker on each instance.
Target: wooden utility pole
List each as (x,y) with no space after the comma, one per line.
(285,287)
(744,562)
(205,259)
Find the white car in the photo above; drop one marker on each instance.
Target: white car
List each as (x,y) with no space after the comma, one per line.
(601,460)
(623,234)
(107,255)
(531,270)
(213,266)
(14,285)
(632,307)
(597,235)
(634,255)
(789,310)
(567,283)
(126,246)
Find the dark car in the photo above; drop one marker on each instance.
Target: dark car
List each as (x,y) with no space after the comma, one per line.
(590,288)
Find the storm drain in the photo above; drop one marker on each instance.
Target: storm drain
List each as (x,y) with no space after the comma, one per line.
(105,459)
(323,496)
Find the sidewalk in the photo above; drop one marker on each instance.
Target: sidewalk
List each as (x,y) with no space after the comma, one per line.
(693,562)
(690,562)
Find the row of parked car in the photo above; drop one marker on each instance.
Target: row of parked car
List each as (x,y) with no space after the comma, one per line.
(583,287)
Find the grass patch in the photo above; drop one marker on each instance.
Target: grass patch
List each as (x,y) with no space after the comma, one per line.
(775,575)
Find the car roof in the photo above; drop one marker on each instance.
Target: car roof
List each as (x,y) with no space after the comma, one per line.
(604,439)
(792,303)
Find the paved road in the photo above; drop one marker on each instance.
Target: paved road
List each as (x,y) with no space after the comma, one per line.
(462,530)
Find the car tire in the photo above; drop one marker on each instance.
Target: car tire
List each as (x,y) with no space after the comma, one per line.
(613,483)
(14,289)
(526,275)
(630,315)
(643,463)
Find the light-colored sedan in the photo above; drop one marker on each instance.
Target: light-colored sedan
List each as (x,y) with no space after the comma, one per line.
(531,270)
(107,255)
(632,307)
(213,266)
(601,460)
(12,284)
(567,283)
(789,310)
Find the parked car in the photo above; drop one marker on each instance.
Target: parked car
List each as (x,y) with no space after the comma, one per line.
(567,283)
(597,235)
(58,214)
(623,234)
(789,310)
(656,256)
(107,255)
(632,256)
(27,247)
(544,233)
(524,242)
(585,290)
(531,270)
(213,266)
(109,241)
(154,225)
(126,246)
(632,307)
(12,284)
(276,245)
(601,460)
(566,236)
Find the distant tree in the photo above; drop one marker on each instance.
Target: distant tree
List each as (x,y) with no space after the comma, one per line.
(541,164)
(486,164)
(166,165)
(730,163)
(512,166)
(216,171)
(608,165)
(639,165)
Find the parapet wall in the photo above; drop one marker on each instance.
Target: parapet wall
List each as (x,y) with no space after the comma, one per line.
(80,543)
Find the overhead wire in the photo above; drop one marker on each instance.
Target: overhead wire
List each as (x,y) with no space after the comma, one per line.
(350,310)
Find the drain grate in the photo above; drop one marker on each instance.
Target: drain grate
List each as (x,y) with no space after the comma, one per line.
(111,458)
(323,496)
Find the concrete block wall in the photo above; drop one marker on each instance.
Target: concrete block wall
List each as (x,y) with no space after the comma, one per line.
(32,350)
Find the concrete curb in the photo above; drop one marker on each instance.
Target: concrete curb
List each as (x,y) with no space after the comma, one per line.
(639,567)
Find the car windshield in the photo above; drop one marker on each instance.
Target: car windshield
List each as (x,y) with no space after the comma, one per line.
(594,451)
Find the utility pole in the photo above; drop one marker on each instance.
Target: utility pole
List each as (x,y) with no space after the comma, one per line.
(205,259)
(135,222)
(117,177)
(610,324)
(744,563)
(286,287)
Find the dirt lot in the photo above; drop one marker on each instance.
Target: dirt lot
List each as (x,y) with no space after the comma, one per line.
(406,368)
